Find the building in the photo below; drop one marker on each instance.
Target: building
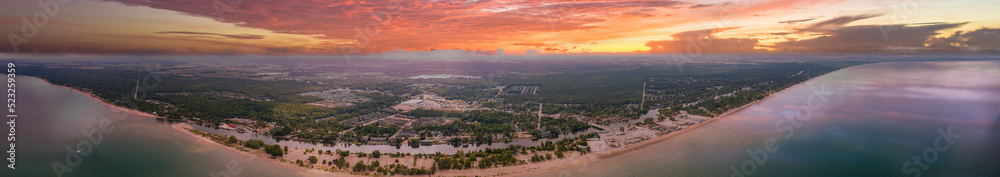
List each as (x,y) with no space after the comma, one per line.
(379,139)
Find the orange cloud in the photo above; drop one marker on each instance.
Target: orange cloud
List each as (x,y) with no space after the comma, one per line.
(699,41)
(383,25)
(516,26)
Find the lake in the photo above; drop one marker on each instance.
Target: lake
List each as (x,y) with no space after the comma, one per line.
(886,119)
(53,121)
(862,121)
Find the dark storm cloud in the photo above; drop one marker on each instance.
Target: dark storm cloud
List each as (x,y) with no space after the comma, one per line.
(983,37)
(866,37)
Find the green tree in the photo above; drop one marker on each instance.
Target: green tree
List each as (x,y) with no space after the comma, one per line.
(360,166)
(274,150)
(313,159)
(254,143)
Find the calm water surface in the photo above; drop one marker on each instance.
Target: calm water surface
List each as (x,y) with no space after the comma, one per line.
(53,119)
(864,121)
(875,118)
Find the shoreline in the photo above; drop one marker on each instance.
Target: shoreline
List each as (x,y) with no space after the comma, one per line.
(98,99)
(657,140)
(183,128)
(575,161)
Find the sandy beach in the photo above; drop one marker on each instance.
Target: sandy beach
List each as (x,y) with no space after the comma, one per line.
(92,96)
(573,161)
(184,128)
(579,161)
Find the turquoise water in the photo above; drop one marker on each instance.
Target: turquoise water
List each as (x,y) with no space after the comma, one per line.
(874,120)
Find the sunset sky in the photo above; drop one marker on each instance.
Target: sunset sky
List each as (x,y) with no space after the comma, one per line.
(290,27)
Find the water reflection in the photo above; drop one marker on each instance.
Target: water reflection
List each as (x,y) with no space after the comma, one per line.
(55,122)
(878,117)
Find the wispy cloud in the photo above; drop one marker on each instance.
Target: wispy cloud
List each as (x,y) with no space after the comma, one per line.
(516,26)
(835,23)
(203,34)
(796,21)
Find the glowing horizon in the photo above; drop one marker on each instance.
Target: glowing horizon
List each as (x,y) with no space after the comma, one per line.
(496,27)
